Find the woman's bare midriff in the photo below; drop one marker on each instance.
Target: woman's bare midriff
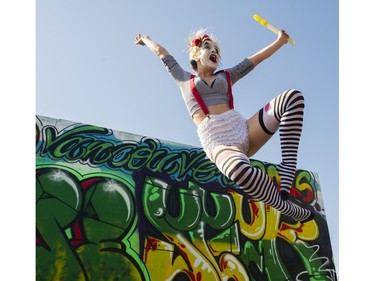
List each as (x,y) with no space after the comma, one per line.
(199,116)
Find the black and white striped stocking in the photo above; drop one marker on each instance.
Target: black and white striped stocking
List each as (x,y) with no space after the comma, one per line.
(285,113)
(236,166)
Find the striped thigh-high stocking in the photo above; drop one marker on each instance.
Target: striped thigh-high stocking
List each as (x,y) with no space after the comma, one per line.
(236,166)
(285,112)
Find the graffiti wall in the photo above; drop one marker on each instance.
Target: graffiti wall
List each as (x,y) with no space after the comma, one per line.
(117,206)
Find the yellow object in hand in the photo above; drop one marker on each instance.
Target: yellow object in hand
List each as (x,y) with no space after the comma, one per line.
(270,27)
(260,20)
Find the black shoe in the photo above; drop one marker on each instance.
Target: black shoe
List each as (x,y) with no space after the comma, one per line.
(309,218)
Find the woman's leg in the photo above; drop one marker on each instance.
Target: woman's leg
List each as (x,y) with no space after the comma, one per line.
(236,166)
(283,113)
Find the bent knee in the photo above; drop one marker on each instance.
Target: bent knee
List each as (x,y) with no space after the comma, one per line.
(294,97)
(296,94)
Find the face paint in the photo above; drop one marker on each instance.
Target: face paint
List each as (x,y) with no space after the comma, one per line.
(209,54)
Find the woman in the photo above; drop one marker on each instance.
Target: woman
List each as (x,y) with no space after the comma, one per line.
(229,139)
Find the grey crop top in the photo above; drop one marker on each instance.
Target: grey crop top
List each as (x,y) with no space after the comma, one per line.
(216,93)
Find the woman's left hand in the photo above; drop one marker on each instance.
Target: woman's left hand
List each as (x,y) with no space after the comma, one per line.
(283,36)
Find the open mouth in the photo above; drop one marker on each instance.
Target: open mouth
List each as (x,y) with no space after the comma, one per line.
(213,58)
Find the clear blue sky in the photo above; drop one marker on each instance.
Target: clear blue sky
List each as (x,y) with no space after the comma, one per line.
(88,70)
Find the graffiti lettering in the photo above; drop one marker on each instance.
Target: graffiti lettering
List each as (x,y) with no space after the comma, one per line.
(94,146)
(149,211)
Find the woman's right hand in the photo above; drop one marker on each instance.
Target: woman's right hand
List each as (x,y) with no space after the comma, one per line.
(145,40)
(139,40)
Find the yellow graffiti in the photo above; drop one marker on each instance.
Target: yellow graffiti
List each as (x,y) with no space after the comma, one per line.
(255,229)
(158,257)
(232,269)
(265,222)
(306,232)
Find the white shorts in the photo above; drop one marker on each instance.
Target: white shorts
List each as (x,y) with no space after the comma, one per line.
(228,128)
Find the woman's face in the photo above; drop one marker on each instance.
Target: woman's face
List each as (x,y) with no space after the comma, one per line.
(209,54)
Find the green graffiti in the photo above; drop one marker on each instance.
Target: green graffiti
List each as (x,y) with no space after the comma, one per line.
(108,215)
(59,201)
(317,268)
(192,211)
(71,144)
(94,146)
(263,260)
(111,209)
(120,157)
(84,235)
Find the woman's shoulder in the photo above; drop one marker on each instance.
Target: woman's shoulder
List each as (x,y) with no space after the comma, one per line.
(175,69)
(240,70)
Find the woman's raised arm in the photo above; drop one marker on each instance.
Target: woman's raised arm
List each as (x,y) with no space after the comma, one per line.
(154,47)
(268,51)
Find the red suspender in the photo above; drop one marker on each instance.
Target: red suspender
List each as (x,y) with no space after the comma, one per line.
(198,97)
(231,105)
